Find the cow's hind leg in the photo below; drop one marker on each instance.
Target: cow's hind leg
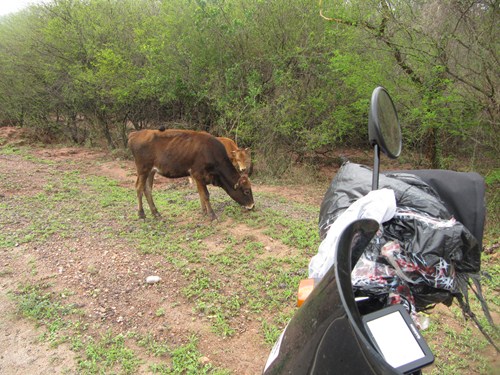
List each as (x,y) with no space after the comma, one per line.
(139,188)
(149,193)
(205,199)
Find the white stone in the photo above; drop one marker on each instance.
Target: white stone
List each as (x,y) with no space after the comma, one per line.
(153,279)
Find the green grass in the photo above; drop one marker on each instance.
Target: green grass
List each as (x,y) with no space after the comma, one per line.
(12,150)
(186,361)
(298,230)
(38,304)
(271,332)
(109,354)
(157,349)
(457,350)
(23,152)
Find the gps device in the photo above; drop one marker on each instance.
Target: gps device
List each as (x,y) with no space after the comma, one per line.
(397,339)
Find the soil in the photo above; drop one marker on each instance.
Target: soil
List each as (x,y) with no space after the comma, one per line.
(107,278)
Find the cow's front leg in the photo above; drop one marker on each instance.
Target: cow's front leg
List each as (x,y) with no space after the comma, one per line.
(205,199)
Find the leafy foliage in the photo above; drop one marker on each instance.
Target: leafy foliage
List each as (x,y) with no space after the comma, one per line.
(273,75)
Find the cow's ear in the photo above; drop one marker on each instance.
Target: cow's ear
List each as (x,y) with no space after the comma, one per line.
(243,180)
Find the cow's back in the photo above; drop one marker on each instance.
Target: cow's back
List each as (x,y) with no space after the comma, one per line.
(193,147)
(176,152)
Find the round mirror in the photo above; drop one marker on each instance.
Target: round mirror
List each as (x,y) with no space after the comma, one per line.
(383,125)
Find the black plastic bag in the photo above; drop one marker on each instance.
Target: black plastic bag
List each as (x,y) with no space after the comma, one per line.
(428,228)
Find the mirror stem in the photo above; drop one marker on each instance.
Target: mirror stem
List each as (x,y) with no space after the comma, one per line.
(376,164)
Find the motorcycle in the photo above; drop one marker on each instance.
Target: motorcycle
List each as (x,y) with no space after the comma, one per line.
(349,325)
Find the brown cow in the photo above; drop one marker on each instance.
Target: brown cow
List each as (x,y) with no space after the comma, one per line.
(240,157)
(177,153)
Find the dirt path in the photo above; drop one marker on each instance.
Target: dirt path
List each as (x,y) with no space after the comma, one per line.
(21,351)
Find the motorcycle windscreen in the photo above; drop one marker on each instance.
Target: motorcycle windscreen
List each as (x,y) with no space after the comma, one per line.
(326,335)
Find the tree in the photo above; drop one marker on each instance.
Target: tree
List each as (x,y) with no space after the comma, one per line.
(448,52)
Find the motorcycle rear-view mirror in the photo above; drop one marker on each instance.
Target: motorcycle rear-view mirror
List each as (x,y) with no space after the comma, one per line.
(384,130)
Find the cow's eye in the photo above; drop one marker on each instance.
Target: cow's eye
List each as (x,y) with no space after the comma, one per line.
(246,191)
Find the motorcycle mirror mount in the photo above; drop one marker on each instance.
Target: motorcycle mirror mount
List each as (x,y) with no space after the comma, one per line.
(384,129)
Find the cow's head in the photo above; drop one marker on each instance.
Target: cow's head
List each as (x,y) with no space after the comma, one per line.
(242,192)
(242,159)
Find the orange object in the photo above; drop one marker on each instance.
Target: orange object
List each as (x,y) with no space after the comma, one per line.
(306,286)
